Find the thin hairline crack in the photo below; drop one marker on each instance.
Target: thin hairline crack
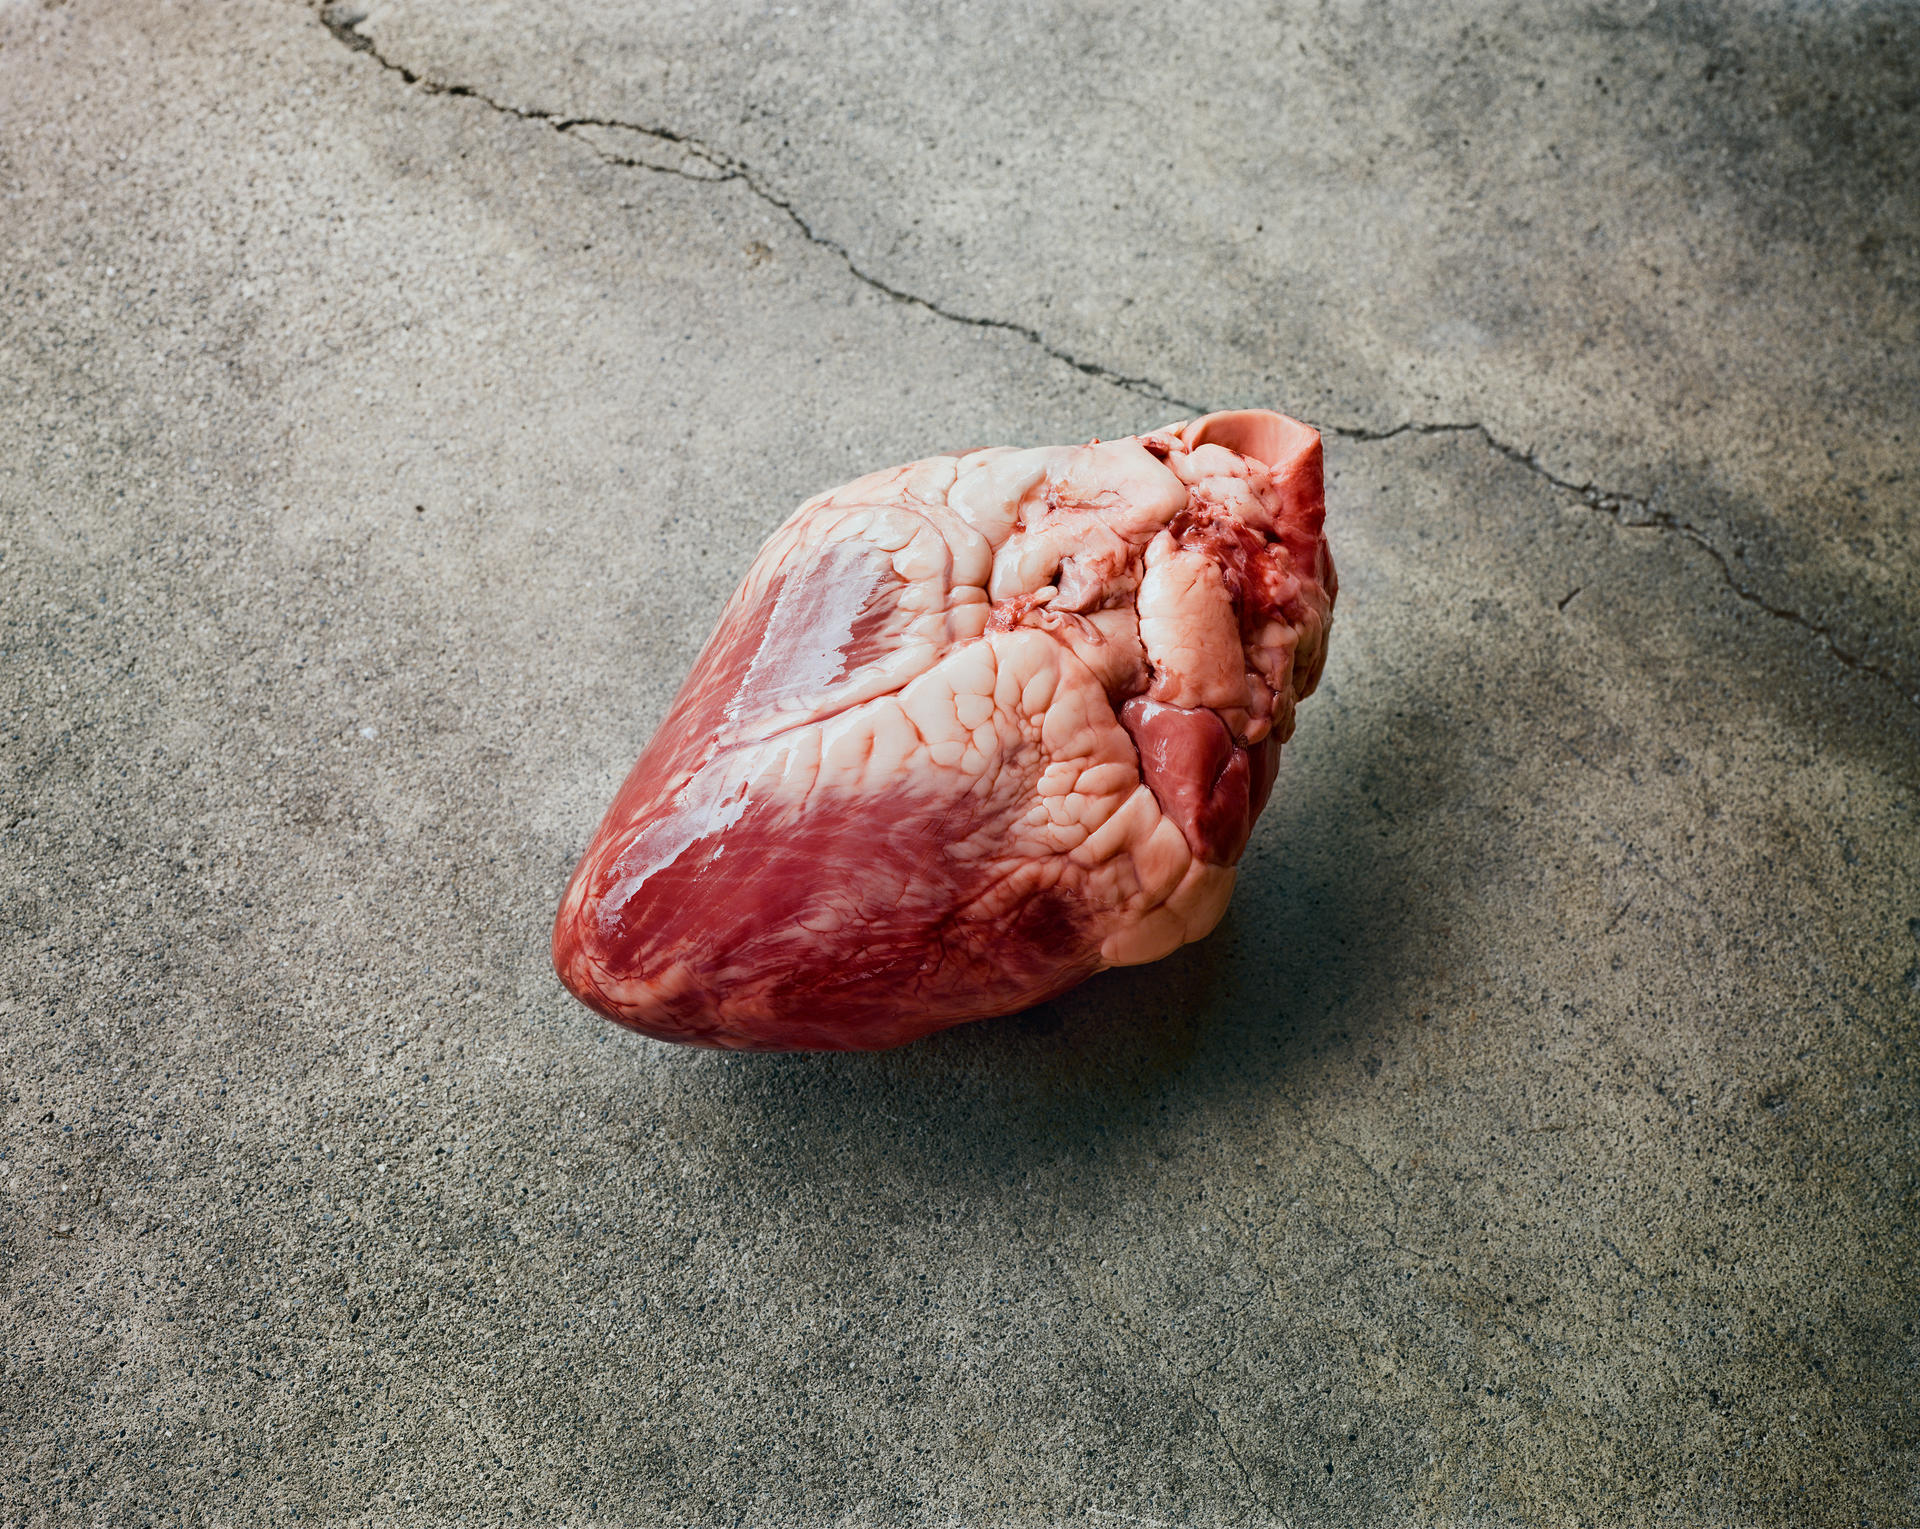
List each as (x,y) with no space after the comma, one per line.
(1625,510)
(1637,514)
(727,168)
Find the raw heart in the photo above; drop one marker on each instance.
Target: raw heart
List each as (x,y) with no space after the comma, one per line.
(969,731)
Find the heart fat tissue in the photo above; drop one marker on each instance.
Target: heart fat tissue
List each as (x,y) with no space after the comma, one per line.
(969,731)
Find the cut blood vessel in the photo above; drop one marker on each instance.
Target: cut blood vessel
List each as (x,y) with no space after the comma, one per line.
(970,730)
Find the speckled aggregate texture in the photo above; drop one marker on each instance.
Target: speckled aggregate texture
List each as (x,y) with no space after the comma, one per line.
(389,401)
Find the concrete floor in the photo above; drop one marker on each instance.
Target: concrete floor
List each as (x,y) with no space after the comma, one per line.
(388,400)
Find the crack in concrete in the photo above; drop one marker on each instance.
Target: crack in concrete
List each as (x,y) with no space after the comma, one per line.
(1634,513)
(1233,1453)
(343,22)
(1152,1345)
(1392,1227)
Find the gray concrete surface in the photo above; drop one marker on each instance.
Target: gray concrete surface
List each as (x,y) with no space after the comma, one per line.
(1535,1143)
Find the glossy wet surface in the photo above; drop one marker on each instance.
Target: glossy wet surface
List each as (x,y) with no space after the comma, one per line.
(968,732)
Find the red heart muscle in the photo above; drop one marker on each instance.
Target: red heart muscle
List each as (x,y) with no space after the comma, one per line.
(969,731)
